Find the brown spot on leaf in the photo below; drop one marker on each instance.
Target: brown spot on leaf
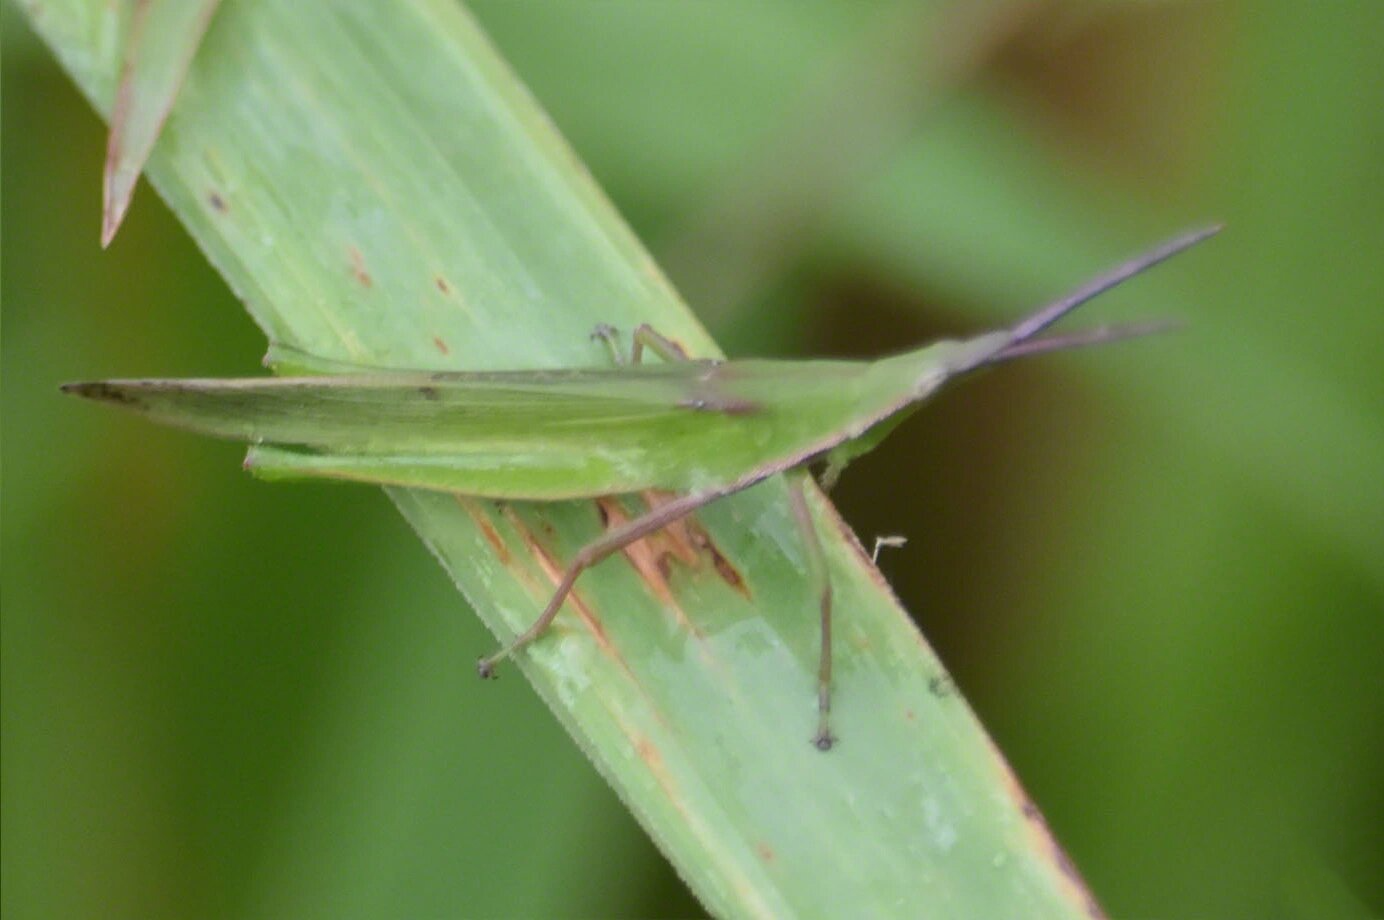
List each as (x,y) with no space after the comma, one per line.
(358,267)
(441,345)
(942,686)
(765,851)
(648,752)
(218,204)
(910,715)
(442,284)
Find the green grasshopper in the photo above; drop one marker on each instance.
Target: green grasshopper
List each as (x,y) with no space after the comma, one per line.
(701,429)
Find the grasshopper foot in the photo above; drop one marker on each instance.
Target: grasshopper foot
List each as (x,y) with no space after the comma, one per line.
(824,740)
(610,337)
(486,668)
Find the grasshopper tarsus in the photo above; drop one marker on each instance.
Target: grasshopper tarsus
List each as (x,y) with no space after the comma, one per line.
(485,667)
(609,336)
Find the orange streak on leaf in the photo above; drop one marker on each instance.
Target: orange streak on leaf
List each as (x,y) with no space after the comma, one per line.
(358,267)
(554,571)
(649,556)
(487,529)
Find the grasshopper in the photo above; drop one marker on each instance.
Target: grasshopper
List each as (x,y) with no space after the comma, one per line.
(702,429)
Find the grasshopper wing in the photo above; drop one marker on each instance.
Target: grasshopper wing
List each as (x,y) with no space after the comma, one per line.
(548,435)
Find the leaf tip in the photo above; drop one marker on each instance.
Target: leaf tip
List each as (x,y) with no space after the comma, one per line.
(117,189)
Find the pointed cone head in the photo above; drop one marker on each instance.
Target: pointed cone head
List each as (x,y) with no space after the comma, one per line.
(922,371)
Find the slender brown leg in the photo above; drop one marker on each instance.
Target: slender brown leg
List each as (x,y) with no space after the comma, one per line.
(592,553)
(817,568)
(664,347)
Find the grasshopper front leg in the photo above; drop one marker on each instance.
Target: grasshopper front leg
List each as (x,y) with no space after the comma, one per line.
(645,337)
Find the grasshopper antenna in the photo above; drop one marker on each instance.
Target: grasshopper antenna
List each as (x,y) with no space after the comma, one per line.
(1097,336)
(1043,318)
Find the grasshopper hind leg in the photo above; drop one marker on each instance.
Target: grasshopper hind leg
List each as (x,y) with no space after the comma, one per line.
(821,577)
(618,539)
(645,337)
(660,517)
(592,553)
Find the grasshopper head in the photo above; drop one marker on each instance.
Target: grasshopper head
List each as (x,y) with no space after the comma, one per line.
(935,364)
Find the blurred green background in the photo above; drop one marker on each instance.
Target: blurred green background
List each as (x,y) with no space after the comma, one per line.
(1156,571)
